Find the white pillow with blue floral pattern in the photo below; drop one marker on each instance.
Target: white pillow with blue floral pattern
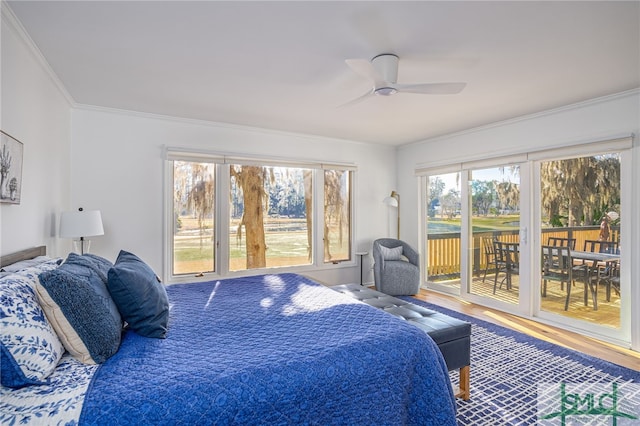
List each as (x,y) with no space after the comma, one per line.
(29,347)
(35,270)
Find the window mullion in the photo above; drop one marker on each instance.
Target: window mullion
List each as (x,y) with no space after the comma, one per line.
(222,218)
(318,216)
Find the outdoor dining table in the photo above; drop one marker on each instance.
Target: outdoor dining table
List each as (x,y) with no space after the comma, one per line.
(595,259)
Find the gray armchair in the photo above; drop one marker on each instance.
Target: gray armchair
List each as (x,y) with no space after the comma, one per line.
(396,271)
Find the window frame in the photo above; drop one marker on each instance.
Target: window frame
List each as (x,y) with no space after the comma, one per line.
(222,209)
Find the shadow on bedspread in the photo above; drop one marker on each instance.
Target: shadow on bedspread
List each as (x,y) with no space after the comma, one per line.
(273,349)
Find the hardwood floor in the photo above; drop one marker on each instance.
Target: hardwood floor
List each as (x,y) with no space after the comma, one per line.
(587,345)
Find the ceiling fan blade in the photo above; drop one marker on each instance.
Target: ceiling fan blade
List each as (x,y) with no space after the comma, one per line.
(431,88)
(366,69)
(357,100)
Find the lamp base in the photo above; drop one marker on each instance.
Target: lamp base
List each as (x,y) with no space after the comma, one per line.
(81,246)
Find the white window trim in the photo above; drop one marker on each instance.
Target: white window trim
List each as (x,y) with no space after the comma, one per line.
(595,147)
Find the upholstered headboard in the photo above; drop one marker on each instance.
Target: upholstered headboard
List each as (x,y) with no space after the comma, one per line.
(29,253)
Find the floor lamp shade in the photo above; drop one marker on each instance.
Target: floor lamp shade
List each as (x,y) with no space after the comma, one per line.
(393,200)
(80,224)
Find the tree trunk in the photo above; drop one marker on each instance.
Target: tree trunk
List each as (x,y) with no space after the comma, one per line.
(252,181)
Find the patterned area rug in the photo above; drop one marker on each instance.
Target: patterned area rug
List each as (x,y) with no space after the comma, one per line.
(520,380)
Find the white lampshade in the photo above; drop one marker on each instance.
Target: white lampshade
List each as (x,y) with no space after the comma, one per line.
(390,201)
(84,223)
(393,200)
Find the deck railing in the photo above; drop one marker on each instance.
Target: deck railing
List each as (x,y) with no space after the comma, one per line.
(444,248)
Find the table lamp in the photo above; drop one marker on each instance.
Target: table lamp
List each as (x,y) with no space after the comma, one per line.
(81,224)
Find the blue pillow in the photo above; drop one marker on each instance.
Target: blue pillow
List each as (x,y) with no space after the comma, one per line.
(94,269)
(139,295)
(103,265)
(79,314)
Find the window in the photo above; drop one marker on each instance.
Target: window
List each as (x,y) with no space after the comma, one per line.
(337,215)
(193,217)
(270,217)
(231,214)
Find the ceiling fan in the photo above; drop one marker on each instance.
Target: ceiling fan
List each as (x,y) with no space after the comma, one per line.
(383,71)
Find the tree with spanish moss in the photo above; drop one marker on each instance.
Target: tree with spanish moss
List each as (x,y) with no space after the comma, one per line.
(336,208)
(200,198)
(579,190)
(250,180)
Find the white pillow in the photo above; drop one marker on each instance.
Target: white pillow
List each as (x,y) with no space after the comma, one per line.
(30,346)
(24,264)
(391,253)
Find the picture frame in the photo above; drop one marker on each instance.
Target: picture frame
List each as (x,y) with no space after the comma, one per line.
(11,154)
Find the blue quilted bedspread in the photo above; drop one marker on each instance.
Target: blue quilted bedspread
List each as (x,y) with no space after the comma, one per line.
(273,349)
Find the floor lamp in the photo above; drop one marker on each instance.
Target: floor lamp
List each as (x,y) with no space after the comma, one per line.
(81,224)
(393,200)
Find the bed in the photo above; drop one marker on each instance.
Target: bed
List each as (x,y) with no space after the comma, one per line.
(268,349)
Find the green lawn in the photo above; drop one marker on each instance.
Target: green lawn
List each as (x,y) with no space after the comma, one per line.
(480,223)
(286,242)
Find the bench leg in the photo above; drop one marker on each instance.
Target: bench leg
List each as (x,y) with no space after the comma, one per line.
(464,390)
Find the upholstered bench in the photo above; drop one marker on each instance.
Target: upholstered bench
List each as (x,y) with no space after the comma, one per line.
(452,335)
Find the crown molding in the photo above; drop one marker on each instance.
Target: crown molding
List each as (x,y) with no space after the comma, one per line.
(9,18)
(214,124)
(527,117)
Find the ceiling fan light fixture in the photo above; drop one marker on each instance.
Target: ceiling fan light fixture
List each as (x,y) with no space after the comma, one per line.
(386,91)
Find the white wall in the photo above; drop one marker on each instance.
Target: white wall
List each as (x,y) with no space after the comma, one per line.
(36,112)
(117,167)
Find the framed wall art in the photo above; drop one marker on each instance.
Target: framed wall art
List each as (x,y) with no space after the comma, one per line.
(11,152)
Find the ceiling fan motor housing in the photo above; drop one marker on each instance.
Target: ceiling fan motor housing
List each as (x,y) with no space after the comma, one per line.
(387,66)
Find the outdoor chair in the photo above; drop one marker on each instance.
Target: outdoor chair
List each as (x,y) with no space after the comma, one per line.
(489,254)
(396,269)
(507,261)
(557,265)
(562,242)
(605,272)
(596,246)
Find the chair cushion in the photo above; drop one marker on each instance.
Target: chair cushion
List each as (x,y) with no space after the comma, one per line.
(394,253)
(400,278)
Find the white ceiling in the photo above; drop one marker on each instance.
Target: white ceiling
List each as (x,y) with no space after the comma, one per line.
(281,65)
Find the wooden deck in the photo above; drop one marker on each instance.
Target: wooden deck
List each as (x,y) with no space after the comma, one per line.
(608,313)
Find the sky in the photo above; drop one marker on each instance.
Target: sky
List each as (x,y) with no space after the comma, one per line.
(449,179)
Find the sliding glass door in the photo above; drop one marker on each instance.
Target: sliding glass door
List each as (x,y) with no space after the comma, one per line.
(580,203)
(494,243)
(470,214)
(443,226)
(490,223)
